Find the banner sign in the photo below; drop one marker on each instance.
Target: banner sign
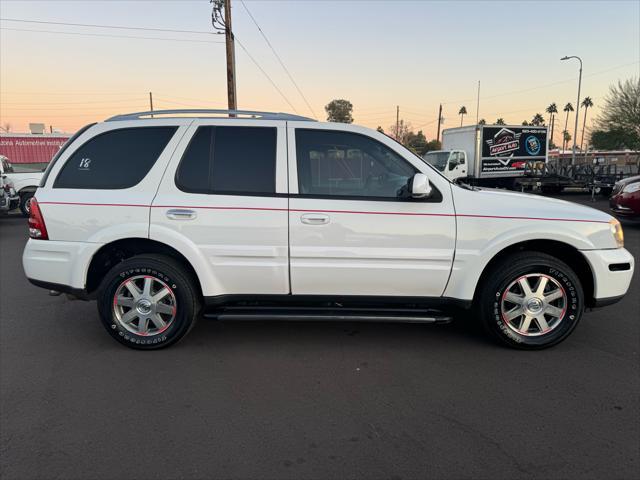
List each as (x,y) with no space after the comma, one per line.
(30,148)
(507,149)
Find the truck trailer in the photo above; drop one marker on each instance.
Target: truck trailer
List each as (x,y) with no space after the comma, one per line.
(489,155)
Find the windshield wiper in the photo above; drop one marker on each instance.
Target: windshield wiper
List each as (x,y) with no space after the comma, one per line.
(466,186)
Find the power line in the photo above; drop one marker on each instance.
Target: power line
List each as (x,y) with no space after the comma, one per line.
(264,73)
(279,59)
(87,34)
(123,100)
(94,25)
(552,84)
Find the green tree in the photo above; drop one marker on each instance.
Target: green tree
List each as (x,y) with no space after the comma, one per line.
(416,142)
(525,123)
(462,112)
(566,137)
(380,129)
(552,110)
(340,111)
(567,108)
(537,120)
(586,104)
(500,121)
(433,145)
(616,139)
(482,121)
(621,112)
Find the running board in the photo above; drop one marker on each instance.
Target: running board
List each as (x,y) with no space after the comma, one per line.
(336,315)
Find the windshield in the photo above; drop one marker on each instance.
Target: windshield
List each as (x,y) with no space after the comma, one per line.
(437,159)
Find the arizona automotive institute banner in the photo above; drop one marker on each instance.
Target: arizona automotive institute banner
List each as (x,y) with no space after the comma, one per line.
(31,148)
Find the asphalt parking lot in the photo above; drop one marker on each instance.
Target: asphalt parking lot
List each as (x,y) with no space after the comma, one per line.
(310,400)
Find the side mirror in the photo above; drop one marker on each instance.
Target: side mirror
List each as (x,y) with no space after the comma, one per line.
(420,186)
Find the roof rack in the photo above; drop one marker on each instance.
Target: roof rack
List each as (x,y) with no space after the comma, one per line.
(206,113)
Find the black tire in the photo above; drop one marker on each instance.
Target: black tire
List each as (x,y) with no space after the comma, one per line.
(25,200)
(492,300)
(186,301)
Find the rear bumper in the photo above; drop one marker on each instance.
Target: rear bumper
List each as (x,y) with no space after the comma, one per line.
(58,265)
(612,271)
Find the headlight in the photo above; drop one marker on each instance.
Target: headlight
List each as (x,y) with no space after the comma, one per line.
(632,187)
(616,230)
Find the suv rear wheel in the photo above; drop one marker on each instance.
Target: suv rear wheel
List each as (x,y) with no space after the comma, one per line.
(148,302)
(531,300)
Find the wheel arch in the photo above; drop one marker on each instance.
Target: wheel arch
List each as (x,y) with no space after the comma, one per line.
(560,250)
(27,189)
(114,252)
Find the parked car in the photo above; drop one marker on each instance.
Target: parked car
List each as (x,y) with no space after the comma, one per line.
(9,199)
(273,216)
(625,198)
(25,183)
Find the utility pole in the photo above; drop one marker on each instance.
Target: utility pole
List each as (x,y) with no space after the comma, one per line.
(575,130)
(439,121)
(398,122)
(151,103)
(231,57)
(222,23)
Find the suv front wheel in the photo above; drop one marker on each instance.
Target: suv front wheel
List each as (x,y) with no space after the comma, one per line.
(530,300)
(148,302)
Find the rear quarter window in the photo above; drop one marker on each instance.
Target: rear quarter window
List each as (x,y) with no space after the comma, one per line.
(115,159)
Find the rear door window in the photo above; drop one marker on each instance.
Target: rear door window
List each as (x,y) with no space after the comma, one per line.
(230,160)
(115,159)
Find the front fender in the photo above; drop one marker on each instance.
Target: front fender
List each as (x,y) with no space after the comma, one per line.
(480,240)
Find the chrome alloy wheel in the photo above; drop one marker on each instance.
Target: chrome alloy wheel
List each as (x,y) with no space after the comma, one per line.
(144,305)
(533,304)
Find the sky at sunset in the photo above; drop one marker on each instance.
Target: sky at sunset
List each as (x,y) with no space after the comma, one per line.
(377,54)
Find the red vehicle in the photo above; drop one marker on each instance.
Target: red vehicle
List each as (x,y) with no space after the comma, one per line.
(625,198)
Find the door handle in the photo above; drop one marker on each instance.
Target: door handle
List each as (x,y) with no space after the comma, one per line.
(181,214)
(314,218)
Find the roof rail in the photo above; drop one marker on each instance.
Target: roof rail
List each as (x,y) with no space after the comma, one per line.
(206,113)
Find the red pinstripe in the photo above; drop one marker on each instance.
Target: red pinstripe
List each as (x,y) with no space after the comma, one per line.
(359,212)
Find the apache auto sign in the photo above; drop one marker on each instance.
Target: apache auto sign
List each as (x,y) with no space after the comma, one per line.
(508,149)
(30,148)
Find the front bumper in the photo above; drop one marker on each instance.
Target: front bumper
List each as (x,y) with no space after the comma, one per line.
(9,203)
(625,205)
(612,271)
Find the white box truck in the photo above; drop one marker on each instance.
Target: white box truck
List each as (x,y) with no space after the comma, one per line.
(489,155)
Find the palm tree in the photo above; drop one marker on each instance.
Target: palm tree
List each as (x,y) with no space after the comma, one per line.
(462,112)
(537,120)
(482,121)
(586,103)
(567,108)
(566,138)
(552,110)
(500,121)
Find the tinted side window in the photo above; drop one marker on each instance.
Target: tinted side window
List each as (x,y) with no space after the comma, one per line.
(193,173)
(115,159)
(231,160)
(332,163)
(244,160)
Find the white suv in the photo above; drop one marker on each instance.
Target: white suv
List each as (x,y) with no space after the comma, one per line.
(273,216)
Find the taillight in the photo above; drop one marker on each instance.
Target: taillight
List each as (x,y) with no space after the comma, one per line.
(37,228)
